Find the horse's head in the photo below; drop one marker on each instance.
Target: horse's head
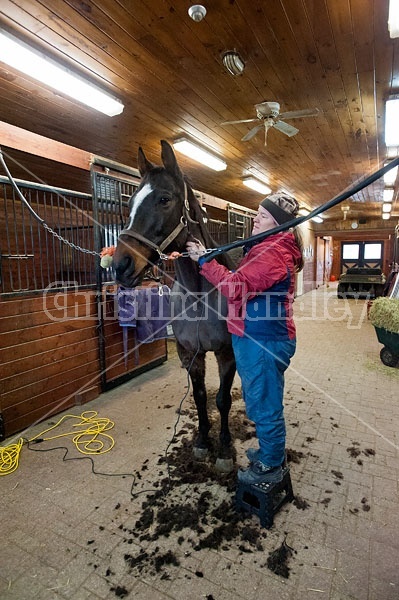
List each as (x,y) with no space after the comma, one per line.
(157,221)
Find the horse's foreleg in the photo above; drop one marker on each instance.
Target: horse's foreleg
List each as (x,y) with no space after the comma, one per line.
(227,369)
(196,370)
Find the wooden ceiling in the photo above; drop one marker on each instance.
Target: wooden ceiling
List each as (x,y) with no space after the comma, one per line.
(335,55)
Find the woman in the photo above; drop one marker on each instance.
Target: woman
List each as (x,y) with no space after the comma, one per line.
(260,294)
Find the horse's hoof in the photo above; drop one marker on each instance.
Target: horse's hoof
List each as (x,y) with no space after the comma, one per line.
(200,453)
(224,465)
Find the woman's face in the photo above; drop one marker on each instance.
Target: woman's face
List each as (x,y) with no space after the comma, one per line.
(263,221)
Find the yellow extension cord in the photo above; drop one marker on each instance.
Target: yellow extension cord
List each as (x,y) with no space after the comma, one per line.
(91,439)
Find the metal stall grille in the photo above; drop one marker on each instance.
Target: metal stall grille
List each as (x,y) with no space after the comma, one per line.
(33,259)
(120,355)
(218,231)
(239,224)
(111,206)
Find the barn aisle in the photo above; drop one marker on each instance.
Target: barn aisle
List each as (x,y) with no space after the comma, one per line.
(167,529)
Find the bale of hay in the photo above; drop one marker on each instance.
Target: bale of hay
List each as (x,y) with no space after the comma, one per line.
(384,313)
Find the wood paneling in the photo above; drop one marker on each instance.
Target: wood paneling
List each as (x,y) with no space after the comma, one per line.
(46,358)
(49,355)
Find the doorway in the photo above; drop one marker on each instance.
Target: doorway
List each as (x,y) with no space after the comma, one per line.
(361,254)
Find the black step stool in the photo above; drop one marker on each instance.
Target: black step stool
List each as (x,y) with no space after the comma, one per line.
(264,499)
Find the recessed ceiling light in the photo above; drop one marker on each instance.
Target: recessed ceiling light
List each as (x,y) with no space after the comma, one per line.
(393,18)
(388,194)
(390,176)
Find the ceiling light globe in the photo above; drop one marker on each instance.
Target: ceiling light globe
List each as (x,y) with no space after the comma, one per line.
(197,12)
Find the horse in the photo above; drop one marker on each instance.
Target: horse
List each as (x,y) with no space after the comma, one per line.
(164,215)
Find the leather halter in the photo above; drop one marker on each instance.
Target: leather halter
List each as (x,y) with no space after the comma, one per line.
(173,235)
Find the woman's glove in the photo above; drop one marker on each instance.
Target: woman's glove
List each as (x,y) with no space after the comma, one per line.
(196,249)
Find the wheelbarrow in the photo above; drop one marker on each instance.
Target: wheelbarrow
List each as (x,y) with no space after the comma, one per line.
(389,354)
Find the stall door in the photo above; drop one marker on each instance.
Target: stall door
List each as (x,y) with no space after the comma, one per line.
(120,355)
(239,225)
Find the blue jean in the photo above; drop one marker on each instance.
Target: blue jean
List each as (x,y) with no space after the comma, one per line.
(261,366)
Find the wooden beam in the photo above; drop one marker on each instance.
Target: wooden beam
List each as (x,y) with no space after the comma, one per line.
(26,141)
(220,203)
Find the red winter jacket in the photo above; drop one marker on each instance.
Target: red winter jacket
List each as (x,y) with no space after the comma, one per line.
(269,267)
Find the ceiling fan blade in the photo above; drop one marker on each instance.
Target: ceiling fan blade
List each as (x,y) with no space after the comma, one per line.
(248,136)
(286,128)
(298,114)
(241,121)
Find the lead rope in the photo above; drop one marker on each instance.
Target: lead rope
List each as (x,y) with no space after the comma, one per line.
(38,218)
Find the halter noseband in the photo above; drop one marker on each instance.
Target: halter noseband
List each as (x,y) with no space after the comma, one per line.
(173,235)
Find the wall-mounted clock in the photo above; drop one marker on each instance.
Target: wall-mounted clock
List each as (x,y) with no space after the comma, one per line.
(354,224)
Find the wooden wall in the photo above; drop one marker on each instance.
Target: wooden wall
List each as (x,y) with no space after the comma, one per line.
(49,355)
(309,246)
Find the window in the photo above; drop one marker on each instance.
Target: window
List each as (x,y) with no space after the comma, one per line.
(350,251)
(372,251)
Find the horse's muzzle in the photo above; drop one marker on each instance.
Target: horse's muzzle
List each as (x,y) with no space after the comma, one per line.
(130,264)
(125,270)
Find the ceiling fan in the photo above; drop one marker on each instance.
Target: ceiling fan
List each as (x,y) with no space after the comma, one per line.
(269,115)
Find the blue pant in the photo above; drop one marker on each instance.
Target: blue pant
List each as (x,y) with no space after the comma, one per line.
(261,366)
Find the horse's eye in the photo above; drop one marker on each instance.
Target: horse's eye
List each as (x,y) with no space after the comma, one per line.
(164,200)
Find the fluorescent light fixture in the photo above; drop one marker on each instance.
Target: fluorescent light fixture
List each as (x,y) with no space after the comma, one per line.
(388,195)
(256,185)
(257,174)
(392,122)
(386,216)
(393,18)
(390,176)
(392,151)
(386,207)
(302,212)
(37,65)
(199,154)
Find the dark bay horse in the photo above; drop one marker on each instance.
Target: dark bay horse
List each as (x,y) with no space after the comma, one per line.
(164,214)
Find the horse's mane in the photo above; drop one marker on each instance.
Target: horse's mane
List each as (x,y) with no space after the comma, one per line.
(198,215)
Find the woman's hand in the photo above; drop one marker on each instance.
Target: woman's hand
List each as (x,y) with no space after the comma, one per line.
(196,249)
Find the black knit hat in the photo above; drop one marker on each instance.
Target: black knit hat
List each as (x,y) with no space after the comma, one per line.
(282,207)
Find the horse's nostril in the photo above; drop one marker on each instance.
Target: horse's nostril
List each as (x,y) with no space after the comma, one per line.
(125,267)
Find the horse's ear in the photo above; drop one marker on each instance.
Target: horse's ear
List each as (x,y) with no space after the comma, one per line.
(143,163)
(169,160)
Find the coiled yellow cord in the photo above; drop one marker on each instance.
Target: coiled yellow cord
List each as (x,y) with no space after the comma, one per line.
(9,457)
(91,439)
